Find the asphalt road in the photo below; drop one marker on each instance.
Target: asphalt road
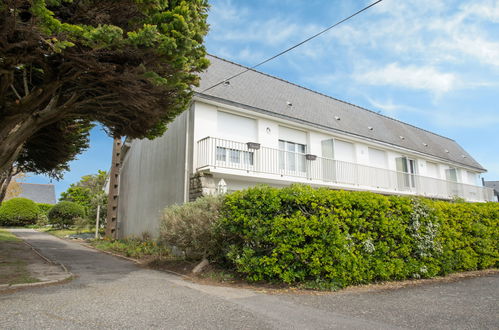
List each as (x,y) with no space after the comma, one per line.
(113,293)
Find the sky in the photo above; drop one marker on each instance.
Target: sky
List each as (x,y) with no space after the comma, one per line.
(430,63)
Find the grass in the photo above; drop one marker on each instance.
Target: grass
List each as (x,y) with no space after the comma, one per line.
(14,260)
(6,236)
(133,248)
(61,233)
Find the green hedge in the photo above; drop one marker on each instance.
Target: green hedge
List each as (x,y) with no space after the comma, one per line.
(18,212)
(63,214)
(327,239)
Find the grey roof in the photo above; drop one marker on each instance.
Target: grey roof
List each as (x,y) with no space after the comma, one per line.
(39,193)
(492,184)
(264,93)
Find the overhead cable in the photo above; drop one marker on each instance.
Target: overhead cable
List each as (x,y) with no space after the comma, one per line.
(292,47)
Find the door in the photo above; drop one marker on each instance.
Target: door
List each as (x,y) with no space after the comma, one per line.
(406,171)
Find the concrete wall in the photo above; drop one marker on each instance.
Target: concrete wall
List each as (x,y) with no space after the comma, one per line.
(152,177)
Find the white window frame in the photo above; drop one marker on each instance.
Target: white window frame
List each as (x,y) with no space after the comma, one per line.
(292,160)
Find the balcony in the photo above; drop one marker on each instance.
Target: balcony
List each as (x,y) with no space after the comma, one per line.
(251,160)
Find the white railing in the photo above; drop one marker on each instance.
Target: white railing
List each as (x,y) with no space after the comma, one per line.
(219,153)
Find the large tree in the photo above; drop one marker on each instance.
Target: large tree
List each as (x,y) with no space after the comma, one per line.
(127,64)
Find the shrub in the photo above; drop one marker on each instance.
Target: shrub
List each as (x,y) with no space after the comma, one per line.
(189,227)
(18,212)
(82,224)
(325,239)
(45,208)
(63,214)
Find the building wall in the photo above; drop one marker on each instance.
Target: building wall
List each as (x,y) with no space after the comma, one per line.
(152,177)
(270,130)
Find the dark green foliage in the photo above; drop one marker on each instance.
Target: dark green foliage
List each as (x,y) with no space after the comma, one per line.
(63,214)
(322,238)
(18,212)
(129,65)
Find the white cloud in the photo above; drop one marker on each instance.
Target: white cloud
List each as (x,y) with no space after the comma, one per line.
(413,77)
(484,51)
(392,109)
(488,10)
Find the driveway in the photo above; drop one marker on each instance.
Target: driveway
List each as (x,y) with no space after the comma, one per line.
(110,292)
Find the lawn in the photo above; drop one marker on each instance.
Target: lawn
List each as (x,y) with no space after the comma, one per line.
(15,257)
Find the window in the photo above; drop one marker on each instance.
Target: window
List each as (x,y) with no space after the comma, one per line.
(451,174)
(235,156)
(291,156)
(327,148)
(407,170)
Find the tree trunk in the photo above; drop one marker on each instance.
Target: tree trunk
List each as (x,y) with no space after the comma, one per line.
(5,179)
(14,132)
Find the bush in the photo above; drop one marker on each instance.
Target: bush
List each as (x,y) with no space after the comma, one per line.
(45,208)
(322,238)
(18,212)
(82,224)
(189,227)
(63,214)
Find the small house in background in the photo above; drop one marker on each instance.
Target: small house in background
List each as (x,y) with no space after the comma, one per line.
(495,186)
(38,193)
(256,128)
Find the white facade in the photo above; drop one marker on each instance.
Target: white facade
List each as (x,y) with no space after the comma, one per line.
(221,134)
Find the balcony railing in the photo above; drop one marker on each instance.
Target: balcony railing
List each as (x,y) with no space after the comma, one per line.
(251,158)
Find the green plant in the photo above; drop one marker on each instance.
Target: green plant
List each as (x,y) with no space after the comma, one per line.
(189,227)
(42,220)
(82,224)
(134,248)
(18,212)
(320,238)
(63,214)
(45,208)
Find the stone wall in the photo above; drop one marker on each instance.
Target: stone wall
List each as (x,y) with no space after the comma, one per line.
(201,184)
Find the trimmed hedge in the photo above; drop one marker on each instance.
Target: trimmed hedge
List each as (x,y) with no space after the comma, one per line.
(18,212)
(329,239)
(63,214)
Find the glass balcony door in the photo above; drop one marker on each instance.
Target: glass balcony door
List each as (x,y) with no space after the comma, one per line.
(291,156)
(406,176)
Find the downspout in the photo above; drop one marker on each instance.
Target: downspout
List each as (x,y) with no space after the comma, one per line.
(186,160)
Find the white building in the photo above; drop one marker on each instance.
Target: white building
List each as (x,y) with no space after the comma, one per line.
(261,129)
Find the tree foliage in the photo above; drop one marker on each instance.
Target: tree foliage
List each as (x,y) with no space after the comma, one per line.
(64,214)
(89,192)
(128,64)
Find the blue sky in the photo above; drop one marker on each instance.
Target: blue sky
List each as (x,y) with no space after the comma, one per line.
(433,64)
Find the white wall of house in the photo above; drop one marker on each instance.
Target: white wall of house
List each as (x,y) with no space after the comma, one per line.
(223,122)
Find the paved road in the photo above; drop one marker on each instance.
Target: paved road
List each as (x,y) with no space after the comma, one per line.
(113,293)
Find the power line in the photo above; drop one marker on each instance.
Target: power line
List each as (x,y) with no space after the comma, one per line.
(293,47)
